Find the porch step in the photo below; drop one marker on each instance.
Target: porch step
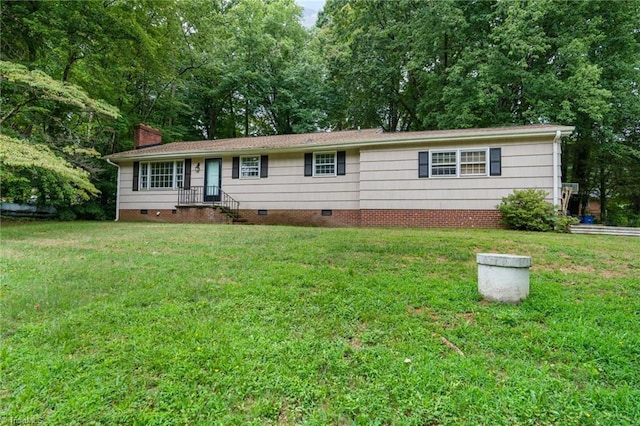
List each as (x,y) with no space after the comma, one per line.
(235,218)
(605,230)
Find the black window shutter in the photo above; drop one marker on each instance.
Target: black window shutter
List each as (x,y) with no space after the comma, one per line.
(341,161)
(495,162)
(423,164)
(136,174)
(187,174)
(264,166)
(235,168)
(308,164)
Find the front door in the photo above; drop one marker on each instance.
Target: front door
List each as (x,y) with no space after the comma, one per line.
(212,179)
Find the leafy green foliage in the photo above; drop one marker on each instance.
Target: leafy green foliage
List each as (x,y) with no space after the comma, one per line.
(563,223)
(281,325)
(527,210)
(39,86)
(28,170)
(48,170)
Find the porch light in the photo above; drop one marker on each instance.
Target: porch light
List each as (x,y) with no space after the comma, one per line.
(198,168)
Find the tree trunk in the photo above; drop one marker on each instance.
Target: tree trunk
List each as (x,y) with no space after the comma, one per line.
(211,129)
(603,194)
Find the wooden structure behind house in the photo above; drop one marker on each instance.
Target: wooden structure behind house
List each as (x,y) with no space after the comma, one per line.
(353,178)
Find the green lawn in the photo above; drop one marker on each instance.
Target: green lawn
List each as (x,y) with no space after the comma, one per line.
(122,323)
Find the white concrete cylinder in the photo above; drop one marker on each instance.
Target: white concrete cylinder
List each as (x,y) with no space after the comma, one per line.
(503,277)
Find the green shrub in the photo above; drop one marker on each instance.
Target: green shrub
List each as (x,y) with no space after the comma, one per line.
(66,214)
(563,223)
(527,210)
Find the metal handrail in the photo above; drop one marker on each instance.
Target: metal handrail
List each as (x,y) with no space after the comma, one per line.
(210,195)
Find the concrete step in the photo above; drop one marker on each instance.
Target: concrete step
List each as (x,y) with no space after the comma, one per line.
(605,230)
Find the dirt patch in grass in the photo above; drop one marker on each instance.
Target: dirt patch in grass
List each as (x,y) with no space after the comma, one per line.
(612,274)
(621,272)
(355,343)
(468,317)
(8,253)
(287,415)
(225,281)
(416,310)
(57,243)
(577,268)
(424,311)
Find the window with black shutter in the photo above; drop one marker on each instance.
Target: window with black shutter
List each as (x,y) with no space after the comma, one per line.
(186,184)
(308,164)
(264,166)
(423,164)
(136,175)
(495,161)
(235,168)
(341,163)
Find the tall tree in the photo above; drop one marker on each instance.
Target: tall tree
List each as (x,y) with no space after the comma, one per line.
(455,64)
(259,78)
(368,55)
(34,165)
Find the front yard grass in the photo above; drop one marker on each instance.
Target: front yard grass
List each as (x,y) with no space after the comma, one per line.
(123,323)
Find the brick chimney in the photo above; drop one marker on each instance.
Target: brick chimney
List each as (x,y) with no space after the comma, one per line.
(145,136)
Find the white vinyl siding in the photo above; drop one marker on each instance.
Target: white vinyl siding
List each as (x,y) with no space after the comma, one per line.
(389,177)
(287,189)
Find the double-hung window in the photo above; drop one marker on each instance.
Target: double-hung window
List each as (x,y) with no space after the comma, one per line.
(444,163)
(473,162)
(250,167)
(162,175)
(459,162)
(324,164)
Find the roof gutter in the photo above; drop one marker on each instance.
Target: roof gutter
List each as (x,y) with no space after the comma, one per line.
(117,189)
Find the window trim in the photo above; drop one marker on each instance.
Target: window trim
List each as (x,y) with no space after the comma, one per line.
(458,163)
(314,164)
(258,169)
(144,177)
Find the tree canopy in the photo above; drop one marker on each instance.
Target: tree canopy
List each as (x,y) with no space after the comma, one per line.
(206,69)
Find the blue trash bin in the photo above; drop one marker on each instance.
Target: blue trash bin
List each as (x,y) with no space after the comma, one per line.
(587,220)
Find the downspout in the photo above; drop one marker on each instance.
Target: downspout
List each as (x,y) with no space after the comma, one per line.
(556,169)
(117,190)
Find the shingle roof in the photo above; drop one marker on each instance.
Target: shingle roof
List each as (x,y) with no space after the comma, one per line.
(345,139)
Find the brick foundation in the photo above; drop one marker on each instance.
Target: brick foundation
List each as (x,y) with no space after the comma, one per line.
(151,216)
(432,218)
(202,214)
(199,214)
(331,218)
(328,218)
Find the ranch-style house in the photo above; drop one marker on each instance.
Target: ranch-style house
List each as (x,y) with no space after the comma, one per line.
(453,178)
